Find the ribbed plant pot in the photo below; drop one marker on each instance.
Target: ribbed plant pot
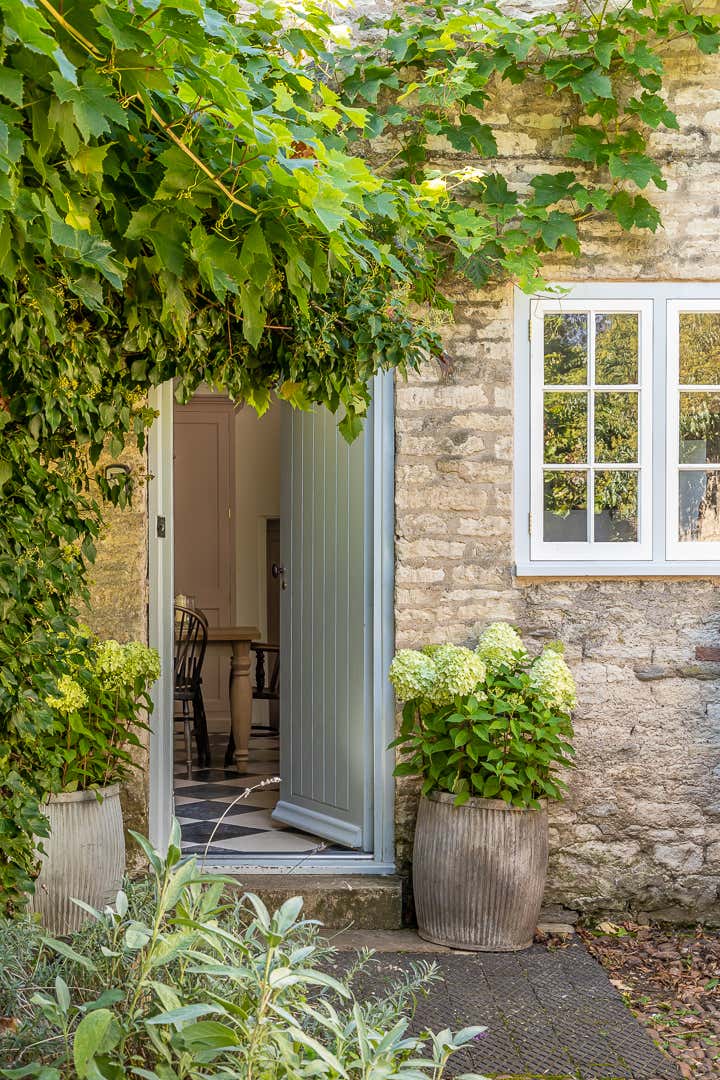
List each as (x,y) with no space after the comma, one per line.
(84,857)
(478,873)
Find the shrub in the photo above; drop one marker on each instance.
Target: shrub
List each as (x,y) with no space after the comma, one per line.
(176,981)
(98,709)
(492,723)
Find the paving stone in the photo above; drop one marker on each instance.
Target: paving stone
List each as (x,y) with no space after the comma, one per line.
(548,1013)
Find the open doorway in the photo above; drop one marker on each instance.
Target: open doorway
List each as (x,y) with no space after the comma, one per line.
(228,570)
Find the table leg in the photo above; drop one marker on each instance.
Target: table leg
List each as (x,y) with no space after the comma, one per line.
(241,699)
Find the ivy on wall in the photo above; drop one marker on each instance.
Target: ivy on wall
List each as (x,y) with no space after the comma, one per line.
(251,201)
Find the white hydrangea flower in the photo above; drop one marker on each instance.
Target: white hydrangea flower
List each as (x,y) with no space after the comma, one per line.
(120,665)
(71,697)
(412,674)
(551,677)
(501,645)
(457,673)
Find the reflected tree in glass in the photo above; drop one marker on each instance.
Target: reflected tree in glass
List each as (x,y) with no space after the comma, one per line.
(616,347)
(616,427)
(566,349)
(699,506)
(565,507)
(700,348)
(565,428)
(615,508)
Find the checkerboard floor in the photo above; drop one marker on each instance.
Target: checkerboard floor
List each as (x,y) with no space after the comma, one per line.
(225,811)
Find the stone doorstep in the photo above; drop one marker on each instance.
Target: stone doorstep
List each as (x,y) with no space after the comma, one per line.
(340,902)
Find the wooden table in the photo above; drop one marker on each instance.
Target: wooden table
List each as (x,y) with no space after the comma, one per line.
(239,637)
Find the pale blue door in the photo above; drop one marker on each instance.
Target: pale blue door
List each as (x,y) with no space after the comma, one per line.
(325,729)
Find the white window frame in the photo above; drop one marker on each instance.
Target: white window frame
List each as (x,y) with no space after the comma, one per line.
(658,552)
(641,549)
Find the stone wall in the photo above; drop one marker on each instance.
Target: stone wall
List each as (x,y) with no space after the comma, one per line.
(640,831)
(118,605)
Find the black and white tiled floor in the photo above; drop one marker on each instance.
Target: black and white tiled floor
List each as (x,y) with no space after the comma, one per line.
(244,800)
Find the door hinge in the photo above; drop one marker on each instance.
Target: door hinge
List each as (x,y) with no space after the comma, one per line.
(529,329)
(530,524)
(161,527)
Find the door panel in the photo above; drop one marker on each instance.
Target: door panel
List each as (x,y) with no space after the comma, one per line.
(204,563)
(323,728)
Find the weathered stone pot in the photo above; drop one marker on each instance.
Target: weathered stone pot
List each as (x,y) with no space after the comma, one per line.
(478,873)
(84,857)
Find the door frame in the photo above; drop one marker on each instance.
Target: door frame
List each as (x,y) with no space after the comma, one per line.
(380,702)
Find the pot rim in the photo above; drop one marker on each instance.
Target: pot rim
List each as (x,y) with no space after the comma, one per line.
(83,796)
(476,802)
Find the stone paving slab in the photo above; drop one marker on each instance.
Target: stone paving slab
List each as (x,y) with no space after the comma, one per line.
(549,1013)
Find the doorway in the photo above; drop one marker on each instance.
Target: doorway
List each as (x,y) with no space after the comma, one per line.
(279,526)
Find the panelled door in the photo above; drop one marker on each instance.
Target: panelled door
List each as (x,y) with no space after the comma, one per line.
(204,555)
(325,732)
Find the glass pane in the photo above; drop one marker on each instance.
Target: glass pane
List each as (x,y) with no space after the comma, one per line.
(616,506)
(565,429)
(565,507)
(700,347)
(699,428)
(566,346)
(616,427)
(616,348)
(699,506)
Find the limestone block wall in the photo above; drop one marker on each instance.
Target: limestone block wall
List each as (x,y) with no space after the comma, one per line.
(118,604)
(640,831)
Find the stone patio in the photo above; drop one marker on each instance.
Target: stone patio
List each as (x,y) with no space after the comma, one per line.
(549,1012)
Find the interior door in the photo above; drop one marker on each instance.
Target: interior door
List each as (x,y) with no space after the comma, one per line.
(325,752)
(204,549)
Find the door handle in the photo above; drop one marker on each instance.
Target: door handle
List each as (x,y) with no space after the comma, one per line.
(279,572)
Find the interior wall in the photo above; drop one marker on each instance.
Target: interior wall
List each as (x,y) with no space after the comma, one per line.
(257,497)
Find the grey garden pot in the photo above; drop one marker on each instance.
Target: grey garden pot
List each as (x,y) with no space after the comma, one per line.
(84,857)
(478,873)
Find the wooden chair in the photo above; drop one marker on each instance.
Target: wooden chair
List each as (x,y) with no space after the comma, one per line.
(265,688)
(191,634)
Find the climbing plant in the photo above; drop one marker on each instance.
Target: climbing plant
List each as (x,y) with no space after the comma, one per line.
(250,199)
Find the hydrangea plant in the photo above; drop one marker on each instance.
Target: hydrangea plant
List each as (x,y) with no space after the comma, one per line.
(99,707)
(492,722)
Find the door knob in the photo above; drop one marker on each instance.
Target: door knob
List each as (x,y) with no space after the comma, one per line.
(279,572)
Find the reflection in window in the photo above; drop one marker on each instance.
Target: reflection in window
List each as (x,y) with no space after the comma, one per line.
(699,427)
(699,506)
(700,347)
(615,507)
(565,428)
(566,345)
(616,428)
(565,507)
(616,348)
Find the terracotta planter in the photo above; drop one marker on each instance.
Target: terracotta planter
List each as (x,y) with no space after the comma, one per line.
(84,859)
(478,873)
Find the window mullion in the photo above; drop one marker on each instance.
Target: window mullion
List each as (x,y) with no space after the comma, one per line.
(591,429)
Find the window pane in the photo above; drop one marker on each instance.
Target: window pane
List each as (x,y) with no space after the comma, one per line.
(565,429)
(565,507)
(616,348)
(699,510)
(566,346)
(616,427)
(700,347)
(699,428)
(616,506)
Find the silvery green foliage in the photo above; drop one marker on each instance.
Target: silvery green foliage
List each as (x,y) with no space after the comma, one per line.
(179,991)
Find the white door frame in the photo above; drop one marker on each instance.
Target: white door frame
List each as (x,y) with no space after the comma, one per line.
(380,518)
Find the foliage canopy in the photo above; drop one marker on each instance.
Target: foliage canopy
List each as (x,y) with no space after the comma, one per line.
(189,194)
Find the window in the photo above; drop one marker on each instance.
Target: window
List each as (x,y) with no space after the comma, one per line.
(617,463)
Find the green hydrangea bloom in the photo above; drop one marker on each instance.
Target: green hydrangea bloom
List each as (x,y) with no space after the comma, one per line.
(71,697)
(119,666)
(457,673)
(412,675)
(551,677)
(500,645)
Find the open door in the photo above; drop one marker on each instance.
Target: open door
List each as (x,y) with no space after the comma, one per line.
(325,737)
